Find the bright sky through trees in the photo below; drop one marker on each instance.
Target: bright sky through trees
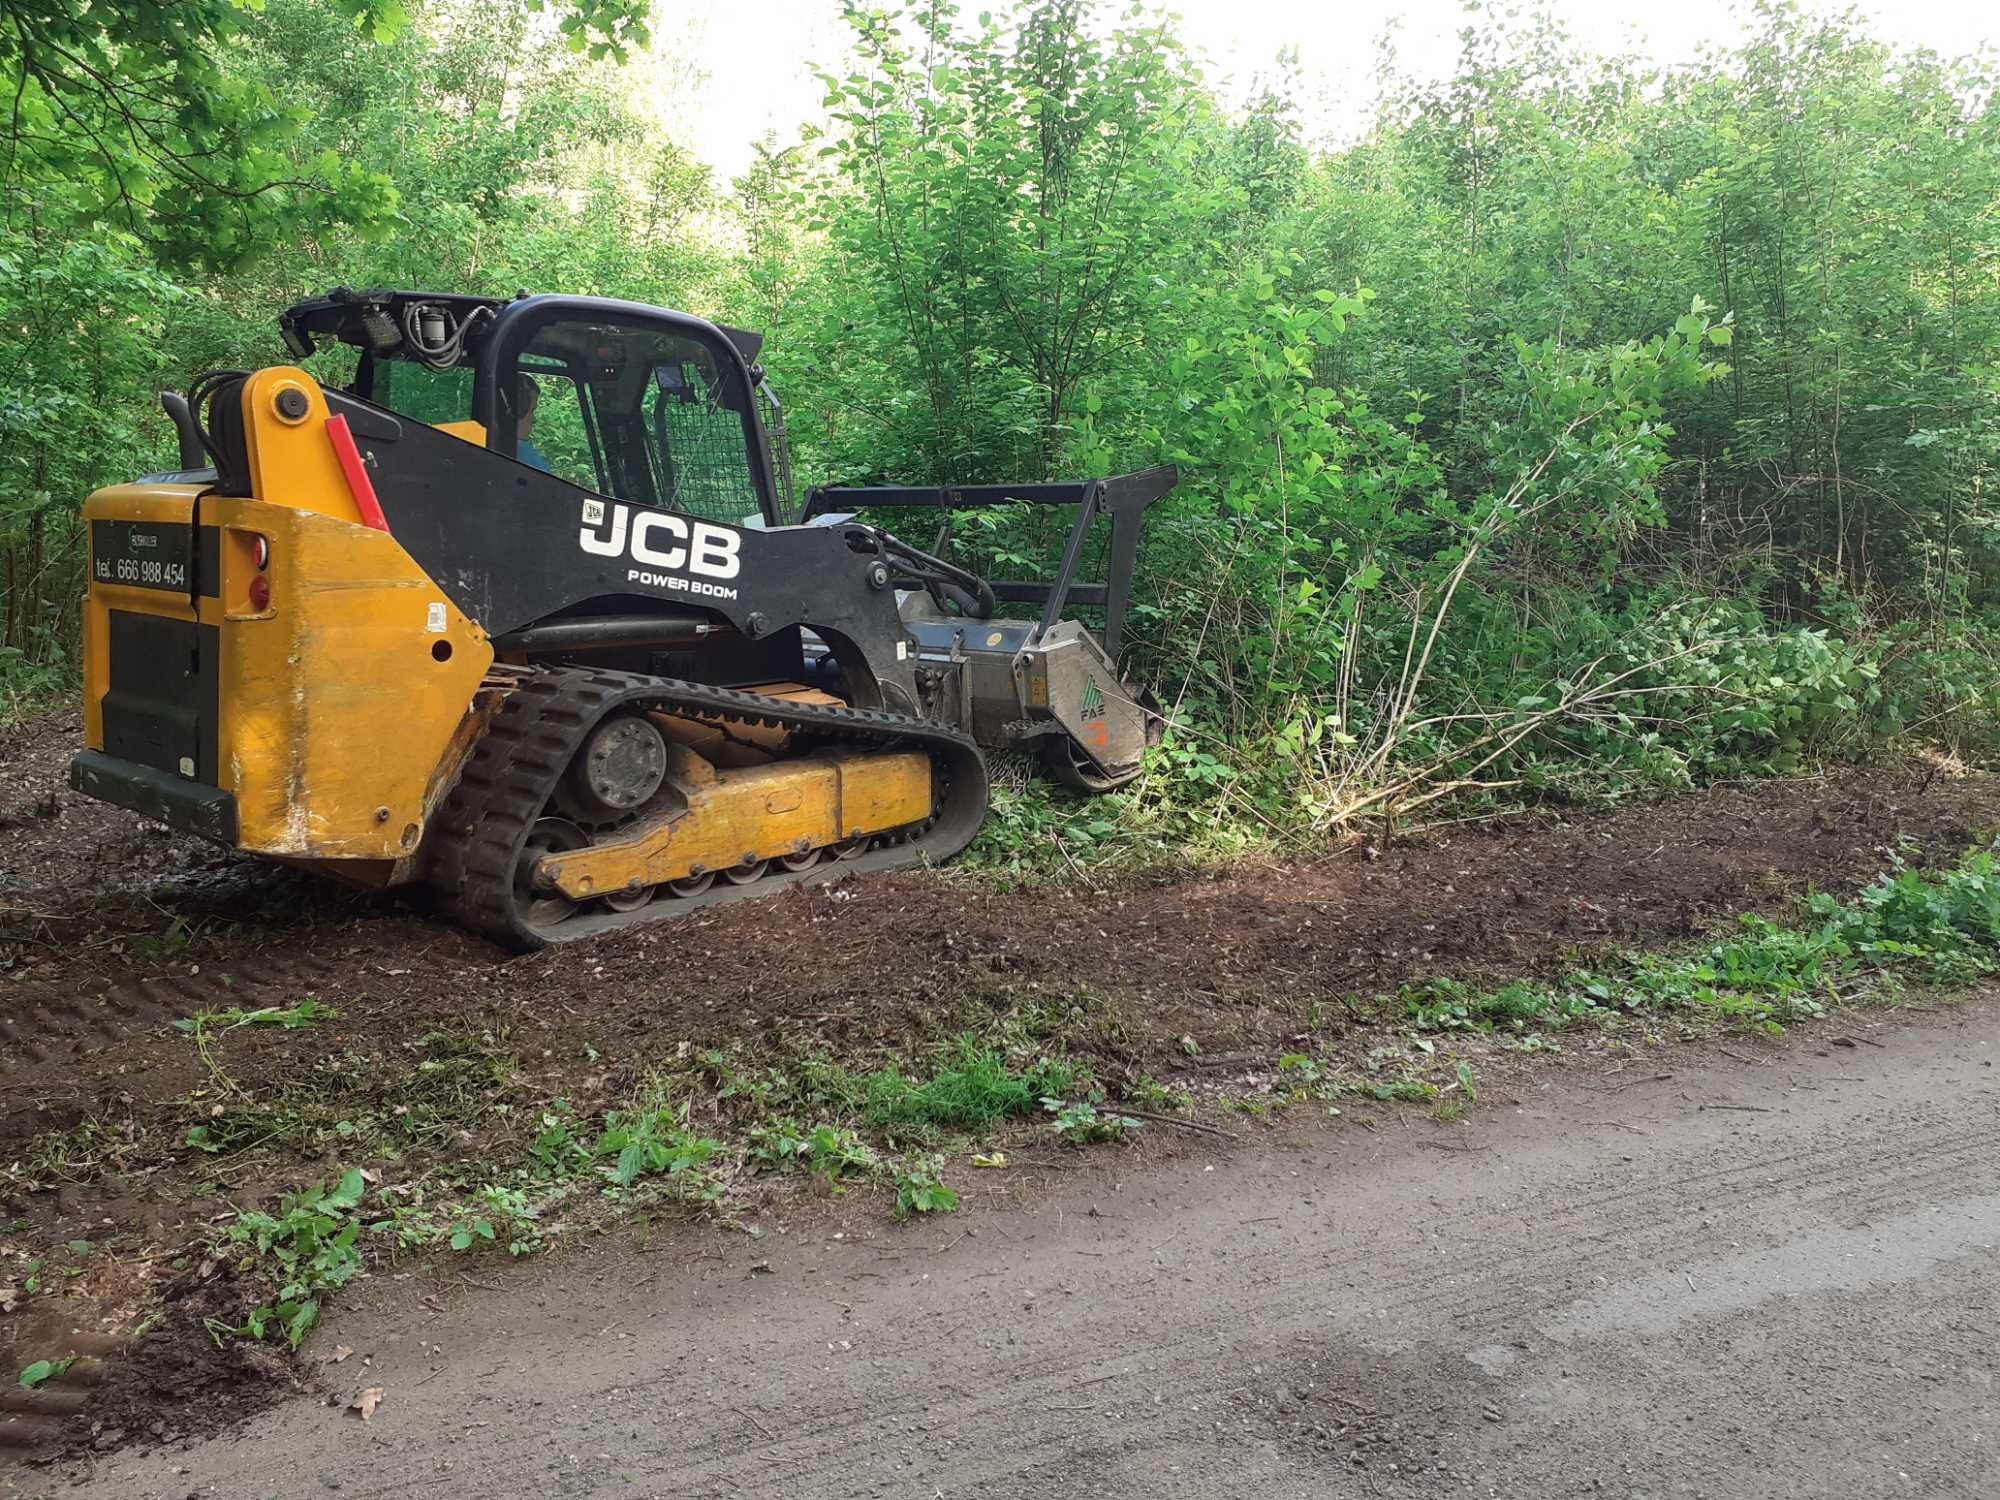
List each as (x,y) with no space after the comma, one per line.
(745,68)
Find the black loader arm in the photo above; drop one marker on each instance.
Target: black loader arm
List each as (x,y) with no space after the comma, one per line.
(517,548)
(1121,498)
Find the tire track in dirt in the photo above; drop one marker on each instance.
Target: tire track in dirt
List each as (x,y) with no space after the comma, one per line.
(44,1022)
(1872,1179)
(1864,1177)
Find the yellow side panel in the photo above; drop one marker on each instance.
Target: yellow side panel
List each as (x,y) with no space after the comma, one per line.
(471,432)
(339,701)
(878,792)
(758,812)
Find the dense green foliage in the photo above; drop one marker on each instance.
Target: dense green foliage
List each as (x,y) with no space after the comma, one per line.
(1580,426)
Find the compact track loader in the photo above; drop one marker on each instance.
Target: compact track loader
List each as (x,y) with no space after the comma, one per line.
(526,612)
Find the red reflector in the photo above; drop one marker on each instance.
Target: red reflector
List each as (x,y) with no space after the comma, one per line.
(358,484)
(260,551)
(260,593)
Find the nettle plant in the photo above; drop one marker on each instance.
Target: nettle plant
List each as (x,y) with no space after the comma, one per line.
(310,1242)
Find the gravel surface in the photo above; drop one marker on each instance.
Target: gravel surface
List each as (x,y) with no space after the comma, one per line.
(1753,1277)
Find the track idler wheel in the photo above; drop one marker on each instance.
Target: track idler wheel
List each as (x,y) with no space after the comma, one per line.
(571,758)
(542,909)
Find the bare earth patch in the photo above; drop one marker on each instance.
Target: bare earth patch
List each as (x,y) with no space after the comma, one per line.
(111,930)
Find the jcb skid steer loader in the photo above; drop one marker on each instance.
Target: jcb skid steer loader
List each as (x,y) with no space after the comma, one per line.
(520,613)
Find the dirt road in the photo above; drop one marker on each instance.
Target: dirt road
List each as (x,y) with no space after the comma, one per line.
(1757,1278)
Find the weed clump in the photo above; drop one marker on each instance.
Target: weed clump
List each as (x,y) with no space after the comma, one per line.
(830,1152)
(310,1244)
(652,1143)
(1081,1122)
(974,1088)
(920,1190)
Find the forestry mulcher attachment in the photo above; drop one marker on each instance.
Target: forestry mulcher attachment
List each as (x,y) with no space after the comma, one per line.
(525,612)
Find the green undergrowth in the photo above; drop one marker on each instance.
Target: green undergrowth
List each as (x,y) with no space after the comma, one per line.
(1716,692)
(30,689)
(1909,927)
(1038,833)
(308,1248)
(436,1148)
(892,1127)
(1937,931)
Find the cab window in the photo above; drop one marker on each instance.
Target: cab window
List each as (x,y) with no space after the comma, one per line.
(641,414)
(551,431)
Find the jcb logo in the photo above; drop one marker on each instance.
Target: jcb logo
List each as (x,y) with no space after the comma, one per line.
(661,539)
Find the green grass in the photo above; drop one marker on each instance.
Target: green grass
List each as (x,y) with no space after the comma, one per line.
(973,1088)
(1909,927)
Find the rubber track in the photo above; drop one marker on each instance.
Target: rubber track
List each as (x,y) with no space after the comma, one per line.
(507,780)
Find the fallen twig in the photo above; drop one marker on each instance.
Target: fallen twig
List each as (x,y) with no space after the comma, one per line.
(1354,1405)
(1205,1129)
(1631,1082)
(1075,868)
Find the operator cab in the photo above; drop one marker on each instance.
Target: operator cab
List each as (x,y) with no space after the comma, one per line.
(651,407)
